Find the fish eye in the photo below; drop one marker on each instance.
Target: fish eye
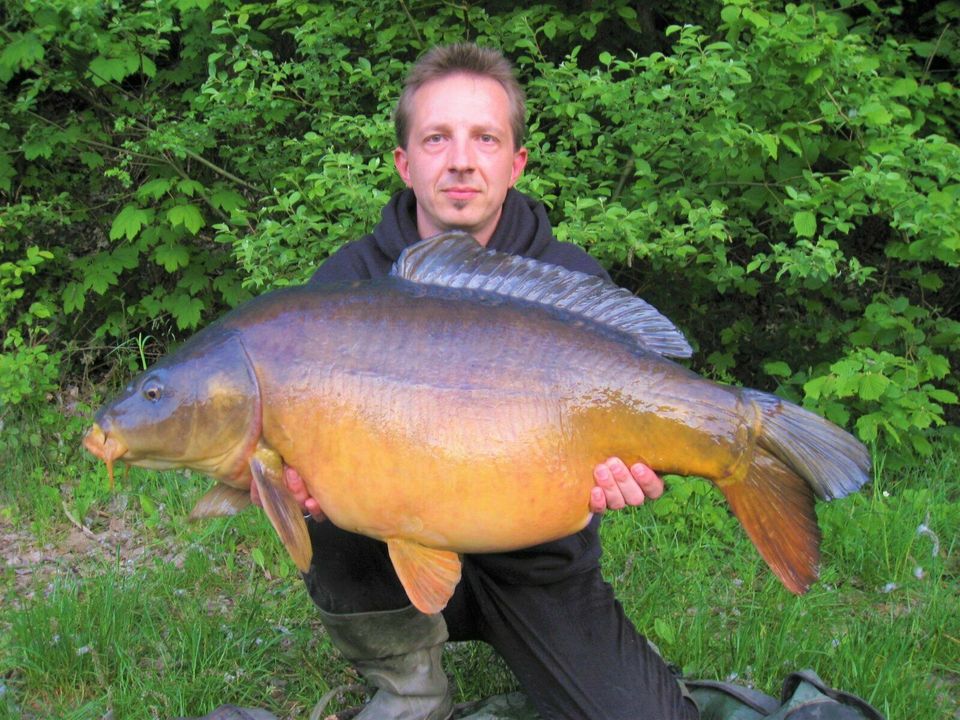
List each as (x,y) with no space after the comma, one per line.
(152,391)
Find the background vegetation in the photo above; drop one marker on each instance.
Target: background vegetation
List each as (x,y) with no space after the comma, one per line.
(793,168)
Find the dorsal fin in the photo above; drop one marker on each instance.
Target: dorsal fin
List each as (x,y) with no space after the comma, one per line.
(454,259)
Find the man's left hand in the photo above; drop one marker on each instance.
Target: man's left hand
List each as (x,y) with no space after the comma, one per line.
(617,486)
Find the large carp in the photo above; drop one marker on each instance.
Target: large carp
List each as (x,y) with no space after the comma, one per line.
(459,405)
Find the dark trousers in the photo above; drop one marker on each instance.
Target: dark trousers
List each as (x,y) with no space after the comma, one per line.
(546,610)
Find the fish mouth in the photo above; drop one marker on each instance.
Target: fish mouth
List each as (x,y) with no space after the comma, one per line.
(106,448)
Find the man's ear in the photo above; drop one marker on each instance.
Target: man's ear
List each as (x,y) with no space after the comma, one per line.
(401,163)
(519,163)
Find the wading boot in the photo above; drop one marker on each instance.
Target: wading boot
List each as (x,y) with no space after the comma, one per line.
(398,652)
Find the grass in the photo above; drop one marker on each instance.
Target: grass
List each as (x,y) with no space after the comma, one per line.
(113,606)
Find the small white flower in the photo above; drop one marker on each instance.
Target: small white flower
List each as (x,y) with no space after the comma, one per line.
(84,650)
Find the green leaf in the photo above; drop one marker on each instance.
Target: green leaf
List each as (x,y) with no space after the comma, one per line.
(867,426)
(876,114)
(190,187)
(805,223)
(22,53)
(92,160)
(187,215)
(40,147)
(814,387)
(73,298)
(664,631)
(129,222)
(106,70)
(155,188)
(755,19)
(185,310)
(256,554)
(171,256)
(148,506)
(872,386)
(227,200)
(942,396)
(770,143)
(777,369)
(903,87)
(729,13)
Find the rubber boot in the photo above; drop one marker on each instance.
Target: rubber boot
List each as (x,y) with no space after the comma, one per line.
(397,651)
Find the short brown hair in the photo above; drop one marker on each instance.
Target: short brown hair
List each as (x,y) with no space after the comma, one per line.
(444,60)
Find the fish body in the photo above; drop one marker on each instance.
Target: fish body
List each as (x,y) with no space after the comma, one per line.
(444,417)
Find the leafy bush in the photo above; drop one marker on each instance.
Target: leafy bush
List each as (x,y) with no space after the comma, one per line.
(796,171)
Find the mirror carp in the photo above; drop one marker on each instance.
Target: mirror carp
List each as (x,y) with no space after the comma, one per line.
(459,405)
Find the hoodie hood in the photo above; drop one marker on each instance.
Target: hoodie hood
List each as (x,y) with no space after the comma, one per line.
(523,228)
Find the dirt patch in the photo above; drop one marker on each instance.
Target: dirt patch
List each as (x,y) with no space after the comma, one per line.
(78,551)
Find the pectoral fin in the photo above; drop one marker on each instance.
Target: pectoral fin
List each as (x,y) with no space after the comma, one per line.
(429,576)
(219,501)
(282,509)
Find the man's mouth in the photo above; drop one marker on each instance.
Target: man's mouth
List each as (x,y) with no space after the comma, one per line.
(461,193)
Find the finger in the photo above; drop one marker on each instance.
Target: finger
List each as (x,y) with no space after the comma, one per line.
(294,481)
(631,492)
(606,482)
(650,483)
(598,501)
(313,507)
(301,493)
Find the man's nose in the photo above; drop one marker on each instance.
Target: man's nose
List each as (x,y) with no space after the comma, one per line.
(461,156)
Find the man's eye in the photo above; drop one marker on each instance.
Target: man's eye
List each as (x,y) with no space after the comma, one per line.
(488,138)
(434,139)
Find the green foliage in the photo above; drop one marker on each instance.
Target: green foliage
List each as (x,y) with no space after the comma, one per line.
(795,170)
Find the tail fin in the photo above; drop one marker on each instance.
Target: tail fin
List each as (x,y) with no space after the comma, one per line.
(798,456)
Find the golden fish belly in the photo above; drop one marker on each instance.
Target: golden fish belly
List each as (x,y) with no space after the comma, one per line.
(444,467)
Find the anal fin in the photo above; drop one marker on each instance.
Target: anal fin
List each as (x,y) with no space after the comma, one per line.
(284,511)
(428,575)
(776,508)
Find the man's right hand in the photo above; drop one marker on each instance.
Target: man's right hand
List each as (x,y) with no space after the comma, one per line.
(298,488)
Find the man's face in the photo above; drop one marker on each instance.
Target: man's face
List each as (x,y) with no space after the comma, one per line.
(460,160)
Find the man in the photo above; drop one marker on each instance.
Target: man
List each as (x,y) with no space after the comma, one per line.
(546,610)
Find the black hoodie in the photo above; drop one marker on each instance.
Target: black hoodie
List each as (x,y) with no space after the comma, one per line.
(523,229)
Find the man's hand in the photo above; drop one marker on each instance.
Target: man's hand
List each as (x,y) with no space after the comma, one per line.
(300,493)
(616,486)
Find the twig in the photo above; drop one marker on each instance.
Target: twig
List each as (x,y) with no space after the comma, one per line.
(83,528)
(926,67)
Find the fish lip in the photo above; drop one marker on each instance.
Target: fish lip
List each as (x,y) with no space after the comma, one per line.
(106,447)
